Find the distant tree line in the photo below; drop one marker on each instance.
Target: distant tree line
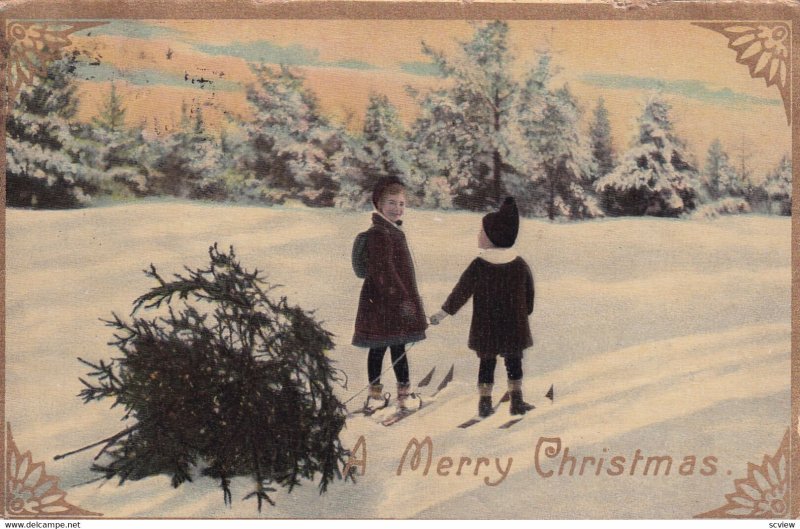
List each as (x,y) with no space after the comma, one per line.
(487,135)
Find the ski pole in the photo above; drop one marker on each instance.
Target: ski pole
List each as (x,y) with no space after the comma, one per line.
(381,374)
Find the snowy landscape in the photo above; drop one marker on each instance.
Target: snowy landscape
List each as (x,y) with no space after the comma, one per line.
(655,197)
(668,336)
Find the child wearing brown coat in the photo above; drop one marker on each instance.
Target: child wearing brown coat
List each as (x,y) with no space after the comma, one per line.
(390,312)
(500,284)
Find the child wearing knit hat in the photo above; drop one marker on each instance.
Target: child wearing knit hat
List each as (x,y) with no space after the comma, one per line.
(500,284)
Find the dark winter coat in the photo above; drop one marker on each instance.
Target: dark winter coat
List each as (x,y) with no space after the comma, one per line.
(390,310)
(502,300)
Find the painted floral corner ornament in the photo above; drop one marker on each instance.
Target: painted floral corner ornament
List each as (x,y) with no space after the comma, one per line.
(30,491)
(31,46)
(765,48)
(764,493)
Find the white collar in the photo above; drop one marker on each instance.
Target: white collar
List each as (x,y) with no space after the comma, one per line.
(498,255)
(398,226)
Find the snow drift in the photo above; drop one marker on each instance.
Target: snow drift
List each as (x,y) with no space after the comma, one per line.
(670,337)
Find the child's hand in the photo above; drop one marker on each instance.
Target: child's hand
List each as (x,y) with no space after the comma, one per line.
(438,317)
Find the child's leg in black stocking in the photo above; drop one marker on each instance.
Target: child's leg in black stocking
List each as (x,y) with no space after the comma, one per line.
(514,371)
(486,370)
(485,384)
(374,368)
(514,368)
(401,365)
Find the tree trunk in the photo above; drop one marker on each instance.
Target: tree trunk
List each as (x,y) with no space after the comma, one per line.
(497,160)
(496,189)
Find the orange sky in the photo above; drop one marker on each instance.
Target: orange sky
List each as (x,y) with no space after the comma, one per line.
(676,53)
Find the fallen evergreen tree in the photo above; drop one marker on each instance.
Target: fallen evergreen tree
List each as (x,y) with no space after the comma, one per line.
(223,378)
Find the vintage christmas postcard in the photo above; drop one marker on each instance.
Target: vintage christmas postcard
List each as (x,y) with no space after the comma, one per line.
(399,260)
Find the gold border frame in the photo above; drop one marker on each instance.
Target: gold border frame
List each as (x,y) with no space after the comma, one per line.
(240,9)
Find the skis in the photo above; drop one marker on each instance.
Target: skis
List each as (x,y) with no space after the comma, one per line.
(445,381)
(511,422)
(508,424)
(550,395)
(368,410)
(426,379)
(401,414)
(476,420)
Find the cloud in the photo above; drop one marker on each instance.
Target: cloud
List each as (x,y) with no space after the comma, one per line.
(426,69)
(690,88)
(131,29)
(353,65)
(266,52)
(263,51)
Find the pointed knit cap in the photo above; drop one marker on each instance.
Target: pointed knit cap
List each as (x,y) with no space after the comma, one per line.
(502,226)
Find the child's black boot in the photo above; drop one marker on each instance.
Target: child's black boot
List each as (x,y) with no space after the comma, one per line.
(518,404)
(485,401)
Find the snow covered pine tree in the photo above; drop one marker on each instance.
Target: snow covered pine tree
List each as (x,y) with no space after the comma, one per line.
(719,176)
(778,187)
(554,158)
(459,140)
(654,176)
(230,381)
(43,166)
(291,149)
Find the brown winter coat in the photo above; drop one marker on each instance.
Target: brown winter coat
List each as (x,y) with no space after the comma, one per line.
(502,301)
(390,311)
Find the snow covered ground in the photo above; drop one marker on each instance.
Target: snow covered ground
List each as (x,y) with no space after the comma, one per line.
(667,336)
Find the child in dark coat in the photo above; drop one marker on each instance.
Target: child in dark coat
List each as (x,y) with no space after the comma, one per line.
(500,284)
(390,312)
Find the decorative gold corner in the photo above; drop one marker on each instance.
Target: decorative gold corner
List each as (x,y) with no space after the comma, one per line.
(765,48)
(31,46)
(30,491)
(764,493)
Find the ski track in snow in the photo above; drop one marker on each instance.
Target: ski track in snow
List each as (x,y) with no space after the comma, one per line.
(644,326)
